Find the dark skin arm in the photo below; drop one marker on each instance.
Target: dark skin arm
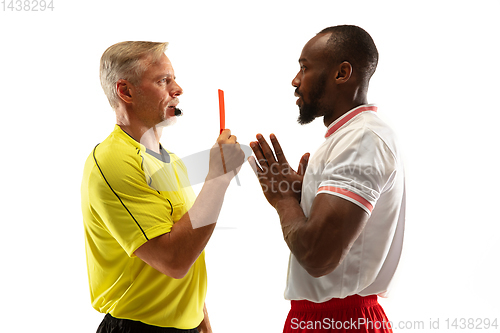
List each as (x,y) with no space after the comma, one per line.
(321,241)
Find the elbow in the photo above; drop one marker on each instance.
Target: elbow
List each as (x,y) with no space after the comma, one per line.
(174,270)
(176,274)
(318,272)
(318,265)
(164,258)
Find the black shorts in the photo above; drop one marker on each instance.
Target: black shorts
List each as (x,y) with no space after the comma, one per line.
(111,324)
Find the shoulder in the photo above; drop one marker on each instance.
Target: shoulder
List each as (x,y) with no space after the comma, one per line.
(365,133)
(117,150)
(382,134)
(116,158)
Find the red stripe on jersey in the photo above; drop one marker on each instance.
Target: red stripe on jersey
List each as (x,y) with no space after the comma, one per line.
(349,194)
(348,117)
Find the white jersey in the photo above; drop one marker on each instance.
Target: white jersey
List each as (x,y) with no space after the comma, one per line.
(360,162)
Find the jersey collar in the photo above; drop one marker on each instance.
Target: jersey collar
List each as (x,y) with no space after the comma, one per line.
(348,116)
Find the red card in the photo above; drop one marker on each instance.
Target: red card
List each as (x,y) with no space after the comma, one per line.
(222,111)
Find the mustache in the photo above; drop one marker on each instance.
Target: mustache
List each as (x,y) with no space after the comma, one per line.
(297,93)
(175,101)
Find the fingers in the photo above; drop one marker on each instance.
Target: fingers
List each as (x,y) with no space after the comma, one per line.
(226,137)
(226,133)
(301,170)
(277,150)
(265,150)
(226,155)
(267,159)
(264,153)
(258,153)
(232,152)
(255,167)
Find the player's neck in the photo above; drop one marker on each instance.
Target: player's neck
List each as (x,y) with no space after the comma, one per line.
(343,107)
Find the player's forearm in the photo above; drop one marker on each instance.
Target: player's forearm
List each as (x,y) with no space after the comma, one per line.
(302,239)
(292,221)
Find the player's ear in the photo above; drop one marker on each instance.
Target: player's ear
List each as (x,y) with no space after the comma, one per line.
(124,90)
(343,73)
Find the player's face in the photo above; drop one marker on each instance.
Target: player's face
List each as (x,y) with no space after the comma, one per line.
(157,93)
(311,81)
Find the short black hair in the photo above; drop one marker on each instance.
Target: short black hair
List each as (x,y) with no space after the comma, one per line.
(354,45)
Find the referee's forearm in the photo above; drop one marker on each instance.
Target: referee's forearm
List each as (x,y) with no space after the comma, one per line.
(191,233)
(208,204)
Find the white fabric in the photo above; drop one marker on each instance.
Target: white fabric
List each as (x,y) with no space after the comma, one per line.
(360,162)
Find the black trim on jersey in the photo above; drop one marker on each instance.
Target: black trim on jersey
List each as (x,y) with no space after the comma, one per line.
(93,153)
(171,207)
(142,158)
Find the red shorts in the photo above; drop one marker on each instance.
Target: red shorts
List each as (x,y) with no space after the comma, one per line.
(351,314)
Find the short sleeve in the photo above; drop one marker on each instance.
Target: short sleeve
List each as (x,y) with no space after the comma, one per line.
(128,208)
(359,167)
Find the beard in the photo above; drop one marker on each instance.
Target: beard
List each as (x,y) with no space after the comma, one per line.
(167,121)
(309,111)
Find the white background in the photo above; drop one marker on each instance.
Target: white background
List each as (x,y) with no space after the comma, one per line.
(436,84)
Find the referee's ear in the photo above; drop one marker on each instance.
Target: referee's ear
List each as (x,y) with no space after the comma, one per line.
(124,90)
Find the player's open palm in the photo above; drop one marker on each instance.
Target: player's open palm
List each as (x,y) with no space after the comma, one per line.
(277,179)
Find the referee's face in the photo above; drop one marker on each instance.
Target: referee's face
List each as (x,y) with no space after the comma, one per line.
(157,93)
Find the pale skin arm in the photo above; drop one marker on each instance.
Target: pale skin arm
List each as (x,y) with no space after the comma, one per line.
(321,241)
(175,252)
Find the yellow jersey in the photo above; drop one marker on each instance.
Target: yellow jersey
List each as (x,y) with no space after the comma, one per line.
(129,196)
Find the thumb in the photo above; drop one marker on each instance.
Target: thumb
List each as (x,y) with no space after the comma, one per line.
(303,164)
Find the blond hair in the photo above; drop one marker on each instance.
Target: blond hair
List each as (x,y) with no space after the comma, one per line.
(125,60)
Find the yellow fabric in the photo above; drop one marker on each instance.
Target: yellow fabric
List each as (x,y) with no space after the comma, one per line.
(130,196)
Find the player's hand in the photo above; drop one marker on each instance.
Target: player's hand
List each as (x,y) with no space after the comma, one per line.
(277,179)
(226,156)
